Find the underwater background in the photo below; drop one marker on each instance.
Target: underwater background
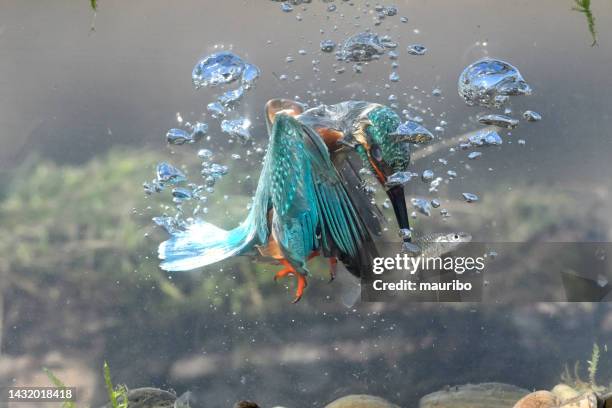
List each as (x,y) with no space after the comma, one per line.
(86,99)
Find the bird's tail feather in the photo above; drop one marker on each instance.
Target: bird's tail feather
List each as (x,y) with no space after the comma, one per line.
(204,244)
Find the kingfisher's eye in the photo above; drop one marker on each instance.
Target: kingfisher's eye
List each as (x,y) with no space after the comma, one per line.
(376,152)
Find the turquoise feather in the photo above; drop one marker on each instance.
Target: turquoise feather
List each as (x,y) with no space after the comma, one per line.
(311,208)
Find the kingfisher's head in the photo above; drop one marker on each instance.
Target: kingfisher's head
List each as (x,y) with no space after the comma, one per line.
(383,143)
(372,136)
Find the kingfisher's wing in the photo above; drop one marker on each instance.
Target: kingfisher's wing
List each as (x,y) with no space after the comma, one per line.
(311,206)
(341,226)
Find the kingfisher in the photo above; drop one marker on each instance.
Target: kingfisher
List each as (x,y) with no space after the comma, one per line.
(306,204)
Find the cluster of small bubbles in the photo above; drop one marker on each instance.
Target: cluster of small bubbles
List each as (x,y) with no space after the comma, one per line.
(485,137)
(223,68)
(394,77)
(327,45)
(205,154)
(170,224)
(216,110)
(422,205)
(229,98)
(399,178)
(363,47)
(237,128)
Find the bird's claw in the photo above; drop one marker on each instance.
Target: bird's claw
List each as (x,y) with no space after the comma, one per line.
(300,280)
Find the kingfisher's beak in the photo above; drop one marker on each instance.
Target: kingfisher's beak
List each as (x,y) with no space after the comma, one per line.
(398,201)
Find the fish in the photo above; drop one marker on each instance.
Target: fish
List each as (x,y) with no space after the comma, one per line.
(431,245)
(437,244)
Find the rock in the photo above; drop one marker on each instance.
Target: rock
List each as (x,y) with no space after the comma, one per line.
(149,397)
(246,404)
(485,395)
(539,399)
(564,392)
(360,401)
(587,400)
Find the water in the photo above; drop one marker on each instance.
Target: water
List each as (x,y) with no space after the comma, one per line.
(83,282)
(490,82)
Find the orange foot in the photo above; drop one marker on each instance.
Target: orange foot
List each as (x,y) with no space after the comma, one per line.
(300,279)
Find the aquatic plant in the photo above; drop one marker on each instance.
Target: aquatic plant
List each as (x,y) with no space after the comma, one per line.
(593,364)
(117,395)
(574,379)
(59,384)
(584,7)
